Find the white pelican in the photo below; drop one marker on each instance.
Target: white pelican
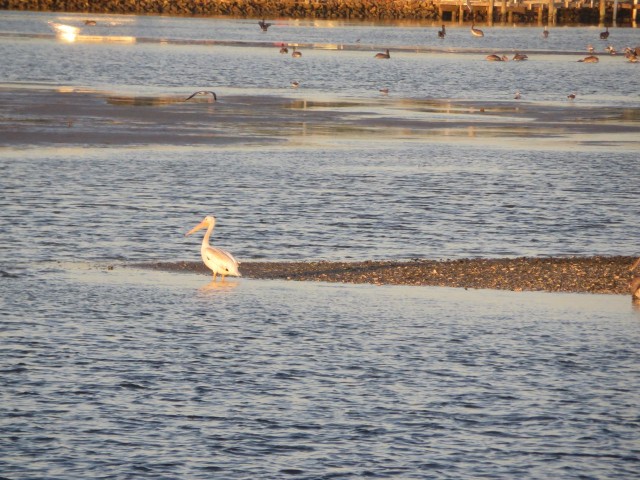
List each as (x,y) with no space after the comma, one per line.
(476,32)
(218,260)
(383,55)
(202,93)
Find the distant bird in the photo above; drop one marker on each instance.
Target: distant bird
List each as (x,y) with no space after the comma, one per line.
(496,58)
(590,48)
(545,32)
(213,98)
(634,284)
(590,59)
(611,50)
(631,54)
(295,84)
(384,91)
(284,49)
(383,55)
(264,26)
(476,32)
(217,260)
(571,96)
(517,95)
(519,57)
(91,23)
(442,33)
(296,54)
(604,35)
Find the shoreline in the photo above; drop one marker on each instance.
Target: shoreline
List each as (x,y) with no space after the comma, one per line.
(596,275)
(75,116)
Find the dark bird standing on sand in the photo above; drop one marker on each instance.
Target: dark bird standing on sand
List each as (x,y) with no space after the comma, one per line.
(442,33)
(476,32)
(202,93)
(604,35)
(545,32)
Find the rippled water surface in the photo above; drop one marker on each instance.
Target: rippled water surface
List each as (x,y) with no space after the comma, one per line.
(120,373)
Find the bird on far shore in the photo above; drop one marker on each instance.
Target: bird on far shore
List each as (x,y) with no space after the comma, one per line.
(496,58)
(264,26)
(384,91)
(590,59)
(604,35)
(295,84)
(571,96)
(442,33)
(383,55)
(634,284)
(217,260)
(519,57)
(476,32)
(517,96)
(295,53)
(284,49)
(201,93)
(545,32)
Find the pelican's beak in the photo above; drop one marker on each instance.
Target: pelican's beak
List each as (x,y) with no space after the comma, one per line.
(202,224)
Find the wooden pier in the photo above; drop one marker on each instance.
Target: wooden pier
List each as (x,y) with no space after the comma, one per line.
(503,11)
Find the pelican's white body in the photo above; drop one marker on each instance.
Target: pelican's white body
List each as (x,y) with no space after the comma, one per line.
(219,261)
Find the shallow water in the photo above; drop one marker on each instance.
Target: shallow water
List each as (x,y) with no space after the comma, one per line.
(151,375)
(121,373)
(165,54)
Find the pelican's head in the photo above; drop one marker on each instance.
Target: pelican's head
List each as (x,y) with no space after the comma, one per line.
(209,221)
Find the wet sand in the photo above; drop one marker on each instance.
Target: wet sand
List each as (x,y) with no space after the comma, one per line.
(598,274)
(75,117)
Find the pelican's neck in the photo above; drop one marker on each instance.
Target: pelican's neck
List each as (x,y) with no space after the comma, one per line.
(205,240)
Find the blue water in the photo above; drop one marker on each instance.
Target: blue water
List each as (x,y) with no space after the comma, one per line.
(113,372)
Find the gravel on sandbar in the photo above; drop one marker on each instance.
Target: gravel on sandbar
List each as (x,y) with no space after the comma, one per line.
(597,274)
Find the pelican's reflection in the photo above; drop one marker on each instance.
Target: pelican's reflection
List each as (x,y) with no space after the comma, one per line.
(214,286)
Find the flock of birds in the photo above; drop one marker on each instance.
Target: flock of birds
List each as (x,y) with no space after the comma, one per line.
(630,53)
